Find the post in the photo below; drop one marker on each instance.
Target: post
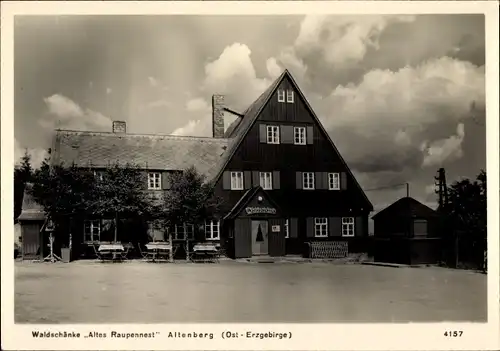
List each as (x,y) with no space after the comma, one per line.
(407,189)
(116,227)
(171,252)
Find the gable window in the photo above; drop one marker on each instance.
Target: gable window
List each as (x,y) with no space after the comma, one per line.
(236,180)
(154,180)
(299,135)
(92,230)
(347,226)
(333,181)
(287,229)
(212,230)
(308,180)
(289,96)
(266,180)
(281,95)
(320,227)
(273,135)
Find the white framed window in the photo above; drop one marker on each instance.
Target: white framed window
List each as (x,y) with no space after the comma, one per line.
(281,95)
(299,135)
(347,226)
(333,181)
(212,230)
(273,135)
(289,96)
(236,180)
(154,180)
(308,180)
(180,232)
(266,180)
(320,227)
(92,230)
(287,228)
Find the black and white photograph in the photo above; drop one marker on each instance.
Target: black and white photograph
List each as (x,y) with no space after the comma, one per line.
(249,168)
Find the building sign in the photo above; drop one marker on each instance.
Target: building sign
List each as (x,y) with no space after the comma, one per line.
(275,228)
(260,210)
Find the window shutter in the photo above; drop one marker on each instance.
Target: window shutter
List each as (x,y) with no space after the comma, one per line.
(343,181)
(145,178)
(286,134)
(359,226)
(293,228)
(318,179)
(226,180)
(165,180)
(309,135)
(247,179)
(255,178)
(324,176)
(263,133)
(276,179)
(335,226)
(298,180)
(310,227)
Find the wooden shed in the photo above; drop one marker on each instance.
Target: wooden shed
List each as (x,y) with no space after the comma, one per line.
(31,219)
(406,232)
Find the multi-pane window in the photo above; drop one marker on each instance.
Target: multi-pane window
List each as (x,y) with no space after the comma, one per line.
(236,180)
(308,180)
(273,135)
(289,96)
(212,230)
(281,95)
(154,180)
(333,181)
(180,232)
(320,227)
(266,180)
(347,226)
(299,135)
(287,229)
(92,230)
(98,175)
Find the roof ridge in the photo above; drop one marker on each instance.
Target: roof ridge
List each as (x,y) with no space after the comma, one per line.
(180,137)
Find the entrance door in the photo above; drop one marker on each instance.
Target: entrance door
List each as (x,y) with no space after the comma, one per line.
(260,240)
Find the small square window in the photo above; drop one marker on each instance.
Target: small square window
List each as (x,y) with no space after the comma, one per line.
(273,135)
(347,226)
(212,230)
(154,180)
(289,96)
(299,135)
(333,181)
(236,180)
(320,227)
(281,95)
(308,180)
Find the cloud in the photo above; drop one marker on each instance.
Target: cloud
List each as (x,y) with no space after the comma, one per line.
(37,154)
(65,113)
(448,149)
(153,81)
(109,90)
(197,104)
(194,128)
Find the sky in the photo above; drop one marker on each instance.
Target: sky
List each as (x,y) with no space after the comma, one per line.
(400,96)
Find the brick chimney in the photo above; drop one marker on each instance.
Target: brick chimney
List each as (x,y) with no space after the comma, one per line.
(119,127)
(218,116)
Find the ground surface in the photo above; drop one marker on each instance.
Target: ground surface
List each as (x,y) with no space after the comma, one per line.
(139,292)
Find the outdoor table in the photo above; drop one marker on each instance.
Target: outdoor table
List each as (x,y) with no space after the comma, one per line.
(206,250)
(114,250)
(158,248)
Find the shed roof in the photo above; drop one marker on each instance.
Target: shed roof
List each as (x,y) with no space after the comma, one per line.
(406,207)
(31,210)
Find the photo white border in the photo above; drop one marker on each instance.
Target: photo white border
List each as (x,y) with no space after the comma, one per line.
(421,336)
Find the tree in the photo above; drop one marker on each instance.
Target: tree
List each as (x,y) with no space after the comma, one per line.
(23,173)
(466,211)
(120,193)
(190,199)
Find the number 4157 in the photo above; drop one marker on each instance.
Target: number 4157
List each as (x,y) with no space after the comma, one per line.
(453,333)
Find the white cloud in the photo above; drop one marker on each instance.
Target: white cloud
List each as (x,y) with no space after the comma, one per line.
(65,113)
(197,104)
(273,69)
(37,154)
(153,81)
(109,90)
(448,149)
(193,128)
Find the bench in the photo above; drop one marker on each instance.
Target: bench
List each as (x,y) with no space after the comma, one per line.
(327,249)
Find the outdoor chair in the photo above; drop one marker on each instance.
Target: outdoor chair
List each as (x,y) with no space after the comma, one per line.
(101,255)
(146,255)
(124,254)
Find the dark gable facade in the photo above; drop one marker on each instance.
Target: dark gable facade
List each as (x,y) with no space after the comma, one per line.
(282,179)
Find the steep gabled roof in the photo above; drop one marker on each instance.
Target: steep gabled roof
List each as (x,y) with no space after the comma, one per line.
(406,207)
(31,210)
(158,152)
(241,129)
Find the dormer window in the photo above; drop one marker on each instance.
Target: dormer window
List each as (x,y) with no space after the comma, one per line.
(289,96)
(281,95)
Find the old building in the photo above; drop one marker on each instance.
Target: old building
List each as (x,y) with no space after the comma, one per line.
(282,179)
(406,232)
